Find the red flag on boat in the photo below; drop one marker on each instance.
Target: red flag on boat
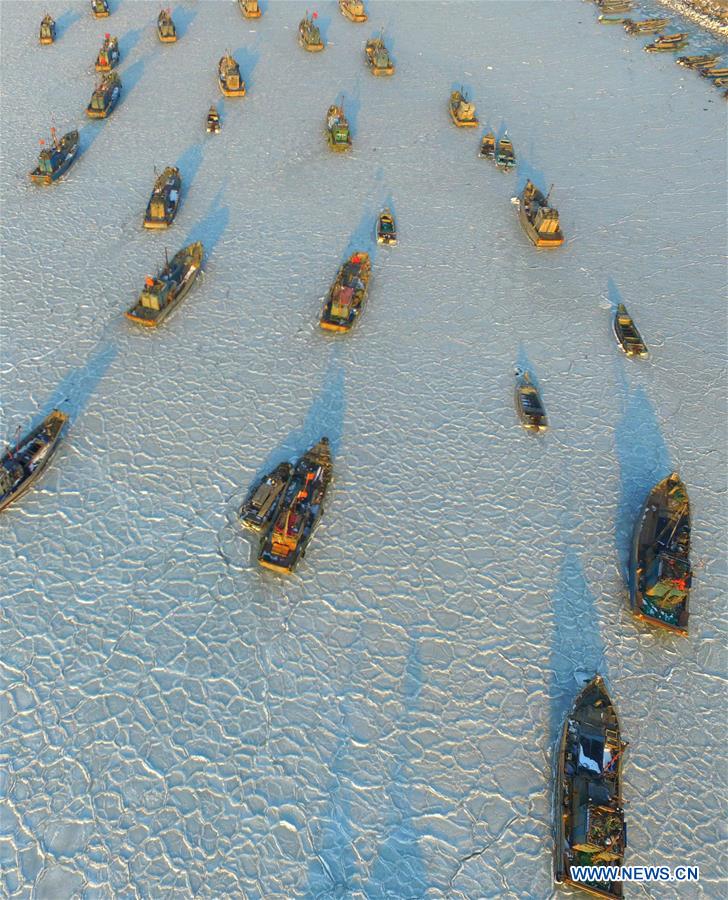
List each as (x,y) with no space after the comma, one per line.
(107,36)
(315,15)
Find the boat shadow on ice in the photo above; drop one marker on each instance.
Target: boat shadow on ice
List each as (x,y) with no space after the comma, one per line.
(128,41)
(325,418)
(182,18)
(65,20)
(210,229)
(363,237)
(528,172)
(189,164)
(247,59)
(76,389)
(129,80)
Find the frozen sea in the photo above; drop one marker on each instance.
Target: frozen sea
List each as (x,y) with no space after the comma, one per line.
(177,722)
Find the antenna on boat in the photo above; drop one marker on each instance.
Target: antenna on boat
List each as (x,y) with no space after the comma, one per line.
(548,195)
(166,257)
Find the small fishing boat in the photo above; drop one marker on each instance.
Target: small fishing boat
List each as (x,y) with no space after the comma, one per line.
(713,72)
(105,96)
(698,62)
(611,20)
(250,8)
(377,57)
(539,220)
(166,31)
(529,405)
(487,146)
(109,56)
(645,26)
(588,814)
(228,77)
(628,338)
(309,35)
(347,294)
(47,30)
(300,510)
(213,123)
(660,574)
(616,6)
(163,293)
(353,10)
(21,464)
(55,160)
(338,133)
(262,503)
(164,202)
(100,9)
(386,228)
(720,82)
(667,43)
(462,111)
(505,158)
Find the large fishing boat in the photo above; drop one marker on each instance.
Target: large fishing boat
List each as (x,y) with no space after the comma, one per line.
(698,62)
(628,337)
(377,57)
(645,26)
(47,29)
(529,405)
(166,31)
(109,55)
(164,202)
(105,97)
(588,816)
(309,35)
(713,72)
(22,463)
(660,574)
(228,77)
(53,161)
(539,220)
(338,133)
(250,8)
(353,10)
(462,112)
(262,502)
(300,510)
(347,294)
(163,293)
(100,9)
(667,43)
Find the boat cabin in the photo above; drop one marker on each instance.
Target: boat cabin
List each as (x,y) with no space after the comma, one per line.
(546,220)
(155,295)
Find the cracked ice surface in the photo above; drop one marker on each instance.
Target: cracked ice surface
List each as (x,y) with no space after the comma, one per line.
(178,722)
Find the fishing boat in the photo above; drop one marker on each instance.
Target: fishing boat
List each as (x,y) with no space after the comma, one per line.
(228,76)
(667,43)
(164,202)
(163,293)
(47,29)
(539,220)
(109,56)
(166,31)
(55,160)
(615,6)
(529,405)
(377,57)
(250,8)
(462,112)
(698,62)
(720,82)
(309,35)
(713,72)
(505,158)
(105,96)
(300,510)
(628,338)
(588,815)
(262,502)
(338,133)
(213,123)
(605,19)
(100,9)
(645,26)
(660,574)
(487,146)
(347,294)
(353,10)
(22,463)
(386,228)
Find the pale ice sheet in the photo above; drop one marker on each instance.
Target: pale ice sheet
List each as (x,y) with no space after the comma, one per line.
(381,724)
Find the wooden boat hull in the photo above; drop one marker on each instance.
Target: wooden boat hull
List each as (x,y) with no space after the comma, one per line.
(628,337)
(54,424)
(644,537)
(665,48)
(167,38)
(542,242)
(611,20)
(714,73)
(697,62)
(647,26)
(249,13)
(227,92)
(352,16)
(594,711)
(463,123)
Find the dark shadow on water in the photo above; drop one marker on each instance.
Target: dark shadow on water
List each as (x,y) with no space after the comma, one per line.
(323,21)
(75,390)
(467,91)
(210,229)
(65,20)
(182,18)
(524,364)
(528,172)
(363,238)
(130,79)
(643,461)
(128,42)
(247,58)
(189,164)
(615,298)
(352,106)
(577,647)
(87,135)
